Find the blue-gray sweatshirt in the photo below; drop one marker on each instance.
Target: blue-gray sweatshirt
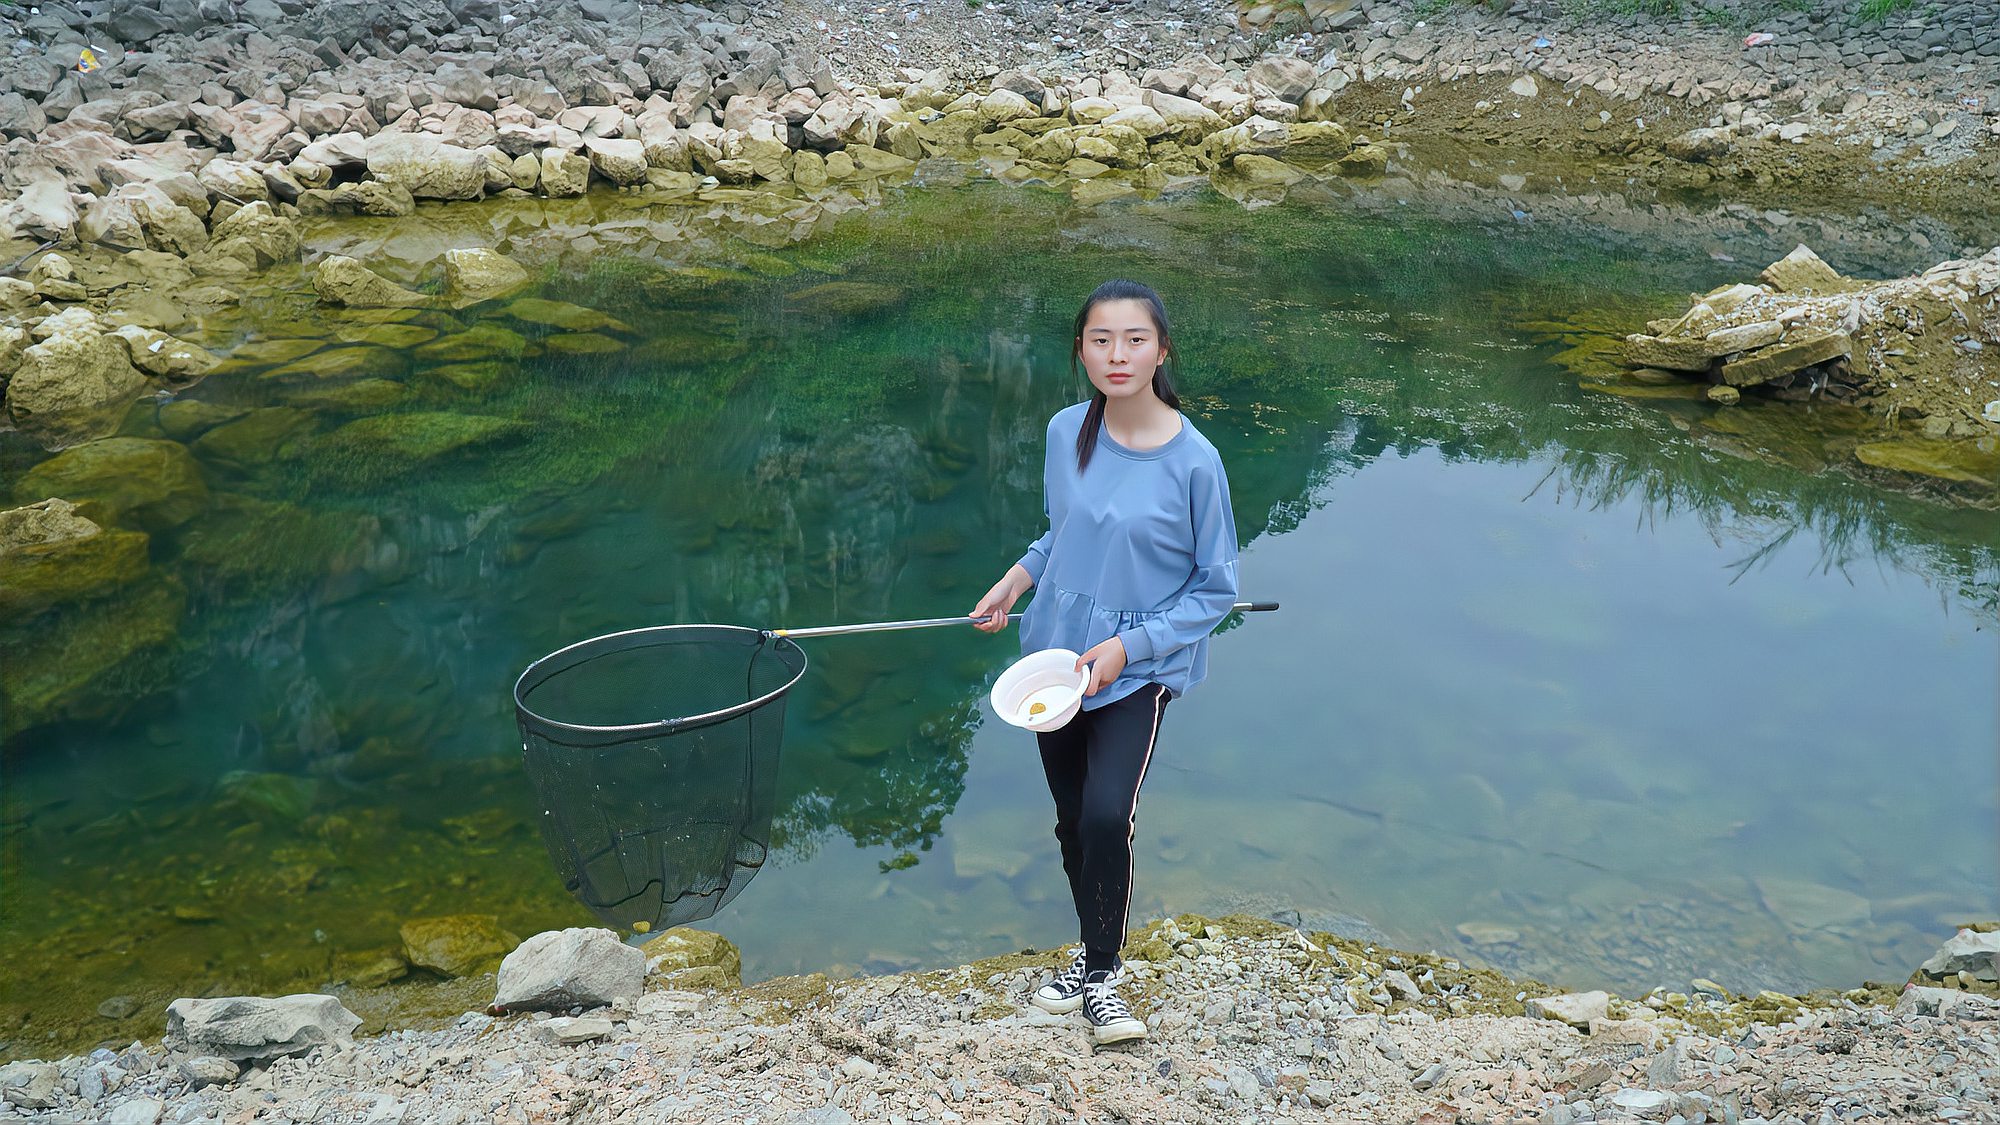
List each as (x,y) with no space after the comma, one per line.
(1140,546)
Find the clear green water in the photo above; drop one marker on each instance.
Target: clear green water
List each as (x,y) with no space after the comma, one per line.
(1639,689)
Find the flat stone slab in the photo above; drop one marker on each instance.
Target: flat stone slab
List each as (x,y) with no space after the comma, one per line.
(1672,354)
(1799,352)
(1745,337)
(1803,271)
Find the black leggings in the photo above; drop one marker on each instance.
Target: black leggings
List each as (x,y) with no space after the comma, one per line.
(1095,765)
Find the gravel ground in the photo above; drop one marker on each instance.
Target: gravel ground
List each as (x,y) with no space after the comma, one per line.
(1249,1021)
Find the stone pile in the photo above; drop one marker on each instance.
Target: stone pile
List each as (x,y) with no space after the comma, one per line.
(1249,1020)
(1924,348)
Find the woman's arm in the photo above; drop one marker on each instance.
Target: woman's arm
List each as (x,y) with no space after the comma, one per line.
(1212,590)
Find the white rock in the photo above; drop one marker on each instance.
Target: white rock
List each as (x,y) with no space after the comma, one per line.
(258,1027)
(1574,1008)
(1524,87)
(565,1031)
(578,967)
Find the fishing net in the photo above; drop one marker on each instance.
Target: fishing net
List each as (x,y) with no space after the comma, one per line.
(654,754)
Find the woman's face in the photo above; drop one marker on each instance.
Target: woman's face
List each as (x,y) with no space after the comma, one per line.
(1121,349)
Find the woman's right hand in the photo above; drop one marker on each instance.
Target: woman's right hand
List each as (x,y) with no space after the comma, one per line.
(992,609)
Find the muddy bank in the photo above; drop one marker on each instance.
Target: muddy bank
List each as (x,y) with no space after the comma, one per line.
(1248,1020)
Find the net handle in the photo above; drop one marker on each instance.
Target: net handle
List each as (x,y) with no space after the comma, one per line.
(934,622)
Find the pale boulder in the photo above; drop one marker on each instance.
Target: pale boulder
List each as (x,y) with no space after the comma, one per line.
(477,275)
(573,968)
(257,1027)
(428,167)
(340,280)
(621,161)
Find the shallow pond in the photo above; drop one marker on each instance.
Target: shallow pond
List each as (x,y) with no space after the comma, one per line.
(1606,690)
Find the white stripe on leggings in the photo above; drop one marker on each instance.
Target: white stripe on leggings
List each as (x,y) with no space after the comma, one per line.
(1132,819)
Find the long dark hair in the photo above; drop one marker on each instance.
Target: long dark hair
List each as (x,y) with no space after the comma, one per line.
(1163,383)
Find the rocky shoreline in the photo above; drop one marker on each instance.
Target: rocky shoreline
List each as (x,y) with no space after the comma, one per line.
(185,168)
(1249,1020)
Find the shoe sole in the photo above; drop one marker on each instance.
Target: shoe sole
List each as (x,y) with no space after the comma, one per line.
(1118,1031)
(1057,1007)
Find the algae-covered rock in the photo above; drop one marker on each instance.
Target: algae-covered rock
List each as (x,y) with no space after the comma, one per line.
(691,349)
(480,342)
(256,355)
(278,799)
(387,335)
(581,343)
(682,948)
(1364,160)
(185,419)
(75,376)
(475,275)
(563,315)
(1264,169)
(414,437)
(1316,143)
(1089,193)
(358,361)
(360,396)
(1947,460)
(846,298)
(477,378)
(260,437)
(150,484)
(457,945)
(93,662)
(340,280)
(51,556)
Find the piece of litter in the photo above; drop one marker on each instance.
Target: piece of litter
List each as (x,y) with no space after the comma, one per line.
(1758,39)
(1542,43)
(157,345)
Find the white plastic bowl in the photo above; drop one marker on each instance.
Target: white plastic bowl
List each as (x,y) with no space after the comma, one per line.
(1048,677)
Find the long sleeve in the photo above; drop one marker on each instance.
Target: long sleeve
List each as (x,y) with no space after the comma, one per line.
(1036,561)
(1211,591)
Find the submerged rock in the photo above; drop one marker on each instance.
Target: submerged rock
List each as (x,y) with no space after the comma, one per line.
(457,945)
(416,436)
(561,969)
(475,275)
(562,314)
(846,298)
(75,560)
(340,280)
(1946,460)
(481,341)
(239,1028)
(153,484)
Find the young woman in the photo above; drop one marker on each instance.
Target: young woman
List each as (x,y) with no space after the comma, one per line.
(1137,567)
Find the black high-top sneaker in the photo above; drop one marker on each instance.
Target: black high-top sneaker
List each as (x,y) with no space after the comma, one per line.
(1110,1020)
(1064,994)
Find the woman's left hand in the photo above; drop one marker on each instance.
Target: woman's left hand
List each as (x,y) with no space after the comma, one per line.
(1106,662)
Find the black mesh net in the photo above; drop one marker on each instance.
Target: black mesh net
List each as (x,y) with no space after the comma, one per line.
(655,757)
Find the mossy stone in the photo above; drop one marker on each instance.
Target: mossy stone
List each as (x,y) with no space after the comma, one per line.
(92,663)
(1947,460)
(457,945)
(563,315)
(387,335)
(846,298)
(475,377)
(691,349)
(356,361)
(416,436)
(683,948)
(356,397)
(481,341)
(259,354)
(581,343)
(279,799)
(36,578)
(154,485)
(186,419)
(258,438)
